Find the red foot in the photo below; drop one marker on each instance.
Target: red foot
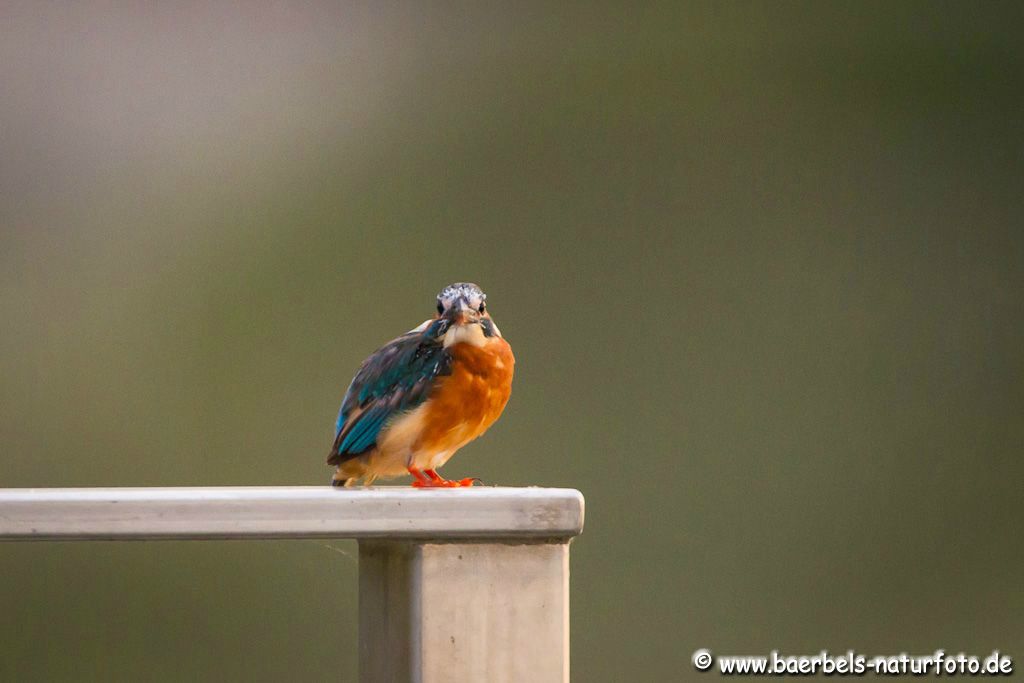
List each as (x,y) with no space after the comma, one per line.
(433,480)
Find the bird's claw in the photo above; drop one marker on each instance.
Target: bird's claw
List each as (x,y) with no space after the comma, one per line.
(443,483)
(429,479)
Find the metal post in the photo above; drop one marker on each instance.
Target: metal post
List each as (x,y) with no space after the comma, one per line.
(463,612)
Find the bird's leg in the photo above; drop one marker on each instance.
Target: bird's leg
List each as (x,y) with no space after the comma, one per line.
(429,479)
(417,477)
(437,480)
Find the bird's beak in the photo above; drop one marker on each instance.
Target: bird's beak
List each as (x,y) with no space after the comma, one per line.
(462,313)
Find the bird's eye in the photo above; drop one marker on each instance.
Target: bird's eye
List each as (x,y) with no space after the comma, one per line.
(440,307)
(483,307)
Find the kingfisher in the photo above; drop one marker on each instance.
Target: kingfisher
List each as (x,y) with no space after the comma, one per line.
(421,397)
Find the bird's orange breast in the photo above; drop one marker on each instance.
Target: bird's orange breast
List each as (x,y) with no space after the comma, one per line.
(471,398)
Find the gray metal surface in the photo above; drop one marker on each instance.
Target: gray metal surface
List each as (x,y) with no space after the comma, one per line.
(463,612)
(289,512)
(455,585)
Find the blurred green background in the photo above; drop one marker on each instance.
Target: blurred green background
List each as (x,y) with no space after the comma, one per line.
(760,263)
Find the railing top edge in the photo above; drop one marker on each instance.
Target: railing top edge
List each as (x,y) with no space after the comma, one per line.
(289,512)
(284,491)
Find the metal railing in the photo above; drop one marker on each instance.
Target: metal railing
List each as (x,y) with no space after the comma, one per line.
(454,585)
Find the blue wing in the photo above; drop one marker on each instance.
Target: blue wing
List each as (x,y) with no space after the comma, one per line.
(395,379)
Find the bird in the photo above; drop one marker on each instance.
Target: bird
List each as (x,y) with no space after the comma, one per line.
(424,395)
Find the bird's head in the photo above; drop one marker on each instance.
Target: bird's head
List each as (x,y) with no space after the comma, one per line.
(462,305)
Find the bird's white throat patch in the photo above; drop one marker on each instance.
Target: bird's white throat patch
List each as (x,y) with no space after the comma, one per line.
(469,334)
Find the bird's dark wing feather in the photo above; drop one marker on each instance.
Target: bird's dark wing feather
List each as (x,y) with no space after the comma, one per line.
(395,379)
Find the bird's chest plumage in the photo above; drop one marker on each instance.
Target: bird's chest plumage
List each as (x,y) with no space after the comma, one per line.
(469,400)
